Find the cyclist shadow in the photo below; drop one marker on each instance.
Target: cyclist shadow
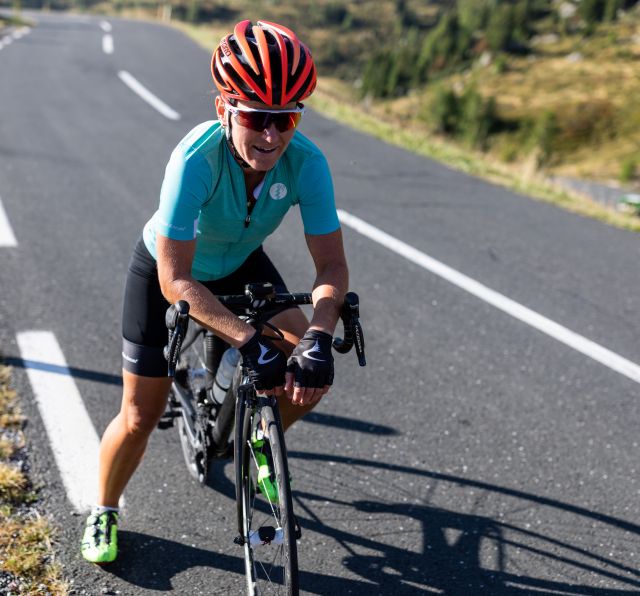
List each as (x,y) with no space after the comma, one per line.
(450,560)
(151,563)
(461,555)
(457,554)
(168,559)
(218,477)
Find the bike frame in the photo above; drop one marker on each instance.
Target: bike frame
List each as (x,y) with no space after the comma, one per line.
(204,437)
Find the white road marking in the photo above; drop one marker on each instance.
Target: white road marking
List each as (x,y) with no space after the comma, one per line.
(73,439)
(105,26)
(107,44)
(566,336)
(149,97)
(11,37)
(7,237)
(18,33)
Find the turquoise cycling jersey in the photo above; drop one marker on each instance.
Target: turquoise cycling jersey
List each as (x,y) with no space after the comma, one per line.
(204,197)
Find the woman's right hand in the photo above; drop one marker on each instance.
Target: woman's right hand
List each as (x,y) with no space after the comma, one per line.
(266,364)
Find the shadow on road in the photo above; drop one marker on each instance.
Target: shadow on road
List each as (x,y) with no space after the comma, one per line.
(152,562)
(352,424)
(459,554)
(456,554)
(76,373)
(341,422)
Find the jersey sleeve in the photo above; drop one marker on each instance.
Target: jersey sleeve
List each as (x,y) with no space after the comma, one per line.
(185,188)
(316,197)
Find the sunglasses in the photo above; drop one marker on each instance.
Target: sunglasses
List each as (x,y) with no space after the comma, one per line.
(260,120)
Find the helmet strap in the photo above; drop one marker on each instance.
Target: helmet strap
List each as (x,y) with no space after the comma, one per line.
(232,147)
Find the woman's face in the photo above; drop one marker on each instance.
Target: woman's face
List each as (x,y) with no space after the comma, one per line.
(261,150)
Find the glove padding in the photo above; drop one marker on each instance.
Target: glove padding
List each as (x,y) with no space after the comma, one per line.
(311,362)
(266,364)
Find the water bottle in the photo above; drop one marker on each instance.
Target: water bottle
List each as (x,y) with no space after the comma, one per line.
(224,376)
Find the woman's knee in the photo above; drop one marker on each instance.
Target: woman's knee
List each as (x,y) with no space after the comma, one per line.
(143,402)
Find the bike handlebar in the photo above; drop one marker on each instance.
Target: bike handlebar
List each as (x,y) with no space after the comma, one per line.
(257,301)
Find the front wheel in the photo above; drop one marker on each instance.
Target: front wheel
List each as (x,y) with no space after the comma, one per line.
(265,512)
(188,385)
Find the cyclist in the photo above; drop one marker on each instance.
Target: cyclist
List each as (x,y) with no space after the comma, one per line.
(227,186)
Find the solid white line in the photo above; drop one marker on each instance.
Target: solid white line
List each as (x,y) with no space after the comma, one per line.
(566,336)
(105,26)
(149,97)
(7,237)
(73,440)
(107,44)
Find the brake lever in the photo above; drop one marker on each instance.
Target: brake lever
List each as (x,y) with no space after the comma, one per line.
(177,321)
(353,334)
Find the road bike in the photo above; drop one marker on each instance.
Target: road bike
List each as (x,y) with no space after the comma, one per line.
(268,530)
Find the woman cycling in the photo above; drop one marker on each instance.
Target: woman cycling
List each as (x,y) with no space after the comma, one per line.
(227,186)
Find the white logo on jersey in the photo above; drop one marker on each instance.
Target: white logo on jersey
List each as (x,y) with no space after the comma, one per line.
(278,191)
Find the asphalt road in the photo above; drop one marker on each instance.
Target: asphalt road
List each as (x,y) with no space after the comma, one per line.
(475,454)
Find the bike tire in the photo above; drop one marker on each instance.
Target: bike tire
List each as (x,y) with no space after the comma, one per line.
(191,360)
(271,568)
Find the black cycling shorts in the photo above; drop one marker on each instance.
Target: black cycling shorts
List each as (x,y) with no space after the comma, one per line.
(144,333)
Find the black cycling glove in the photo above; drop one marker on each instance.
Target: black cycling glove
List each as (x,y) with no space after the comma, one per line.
(312,361)
(265,363)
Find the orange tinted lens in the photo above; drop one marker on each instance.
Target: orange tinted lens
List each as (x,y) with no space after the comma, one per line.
(259,121)
(292,121)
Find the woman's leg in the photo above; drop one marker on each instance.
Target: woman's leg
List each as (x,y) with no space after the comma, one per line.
(125,439)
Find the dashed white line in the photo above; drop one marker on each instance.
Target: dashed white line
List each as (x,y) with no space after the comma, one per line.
(18,33)
(14,35)
(562,334)
(73,440)
(7,237)
(105,26)
(147,96)
(107,44)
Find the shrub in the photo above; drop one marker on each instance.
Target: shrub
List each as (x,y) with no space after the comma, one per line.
(441,46)
(543,136)
(467,116)
(628,170)
(477,117)
(587,123)
(442,113)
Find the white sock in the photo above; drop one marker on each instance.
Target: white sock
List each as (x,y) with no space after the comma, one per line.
(100,509)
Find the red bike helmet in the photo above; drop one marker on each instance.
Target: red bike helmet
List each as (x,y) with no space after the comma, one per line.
(265,63)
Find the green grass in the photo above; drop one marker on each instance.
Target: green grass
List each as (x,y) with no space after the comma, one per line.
(7,20)
(26,537)
(417,139)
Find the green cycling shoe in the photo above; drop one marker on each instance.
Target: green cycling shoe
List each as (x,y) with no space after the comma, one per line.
(100,538)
